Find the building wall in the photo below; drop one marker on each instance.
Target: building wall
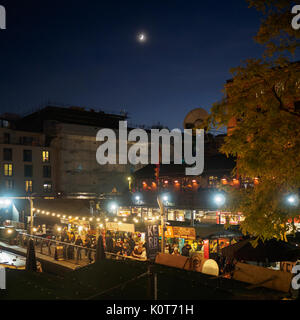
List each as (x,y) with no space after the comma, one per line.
(17,144)
(77,168)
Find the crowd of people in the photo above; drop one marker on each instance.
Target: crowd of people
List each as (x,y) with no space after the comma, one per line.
(125,244)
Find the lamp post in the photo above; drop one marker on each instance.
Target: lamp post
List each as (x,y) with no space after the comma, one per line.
(219,200)
(129,183)
(162,216)
(30,199)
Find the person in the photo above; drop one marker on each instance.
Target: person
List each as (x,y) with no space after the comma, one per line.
(170,248)
(109,243)
(139,252)
(87,244)
(78,242)
(126,248)
(119,247)
(72,237)
(131,243)
(186,249)
(176,251)
(64,234)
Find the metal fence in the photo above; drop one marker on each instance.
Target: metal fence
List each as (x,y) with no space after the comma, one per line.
(64,251)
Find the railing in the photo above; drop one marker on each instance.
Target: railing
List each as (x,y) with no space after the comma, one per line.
(69,252)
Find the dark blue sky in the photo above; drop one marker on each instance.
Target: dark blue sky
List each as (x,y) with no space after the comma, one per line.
(85,53)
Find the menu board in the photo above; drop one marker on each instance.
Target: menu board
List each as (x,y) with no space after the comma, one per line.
(179,232)
(187,233)
(114,226)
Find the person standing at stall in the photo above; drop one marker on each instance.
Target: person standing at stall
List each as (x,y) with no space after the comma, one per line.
(78,242)
(186,249)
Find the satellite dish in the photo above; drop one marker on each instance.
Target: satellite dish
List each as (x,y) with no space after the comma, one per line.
(195,119)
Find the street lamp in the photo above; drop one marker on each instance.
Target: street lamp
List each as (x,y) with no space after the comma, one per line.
(219,199)
(113,207)
(293,200)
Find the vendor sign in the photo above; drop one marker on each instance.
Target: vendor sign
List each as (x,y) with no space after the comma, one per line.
(115,226)
(179,232)
(152,241)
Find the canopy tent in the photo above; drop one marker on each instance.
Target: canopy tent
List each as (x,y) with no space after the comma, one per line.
(215,231)
(271,250)
(225,234)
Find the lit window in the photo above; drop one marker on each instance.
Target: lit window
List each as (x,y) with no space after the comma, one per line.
(46,156)
(28,185)
(8,169)
(47,187)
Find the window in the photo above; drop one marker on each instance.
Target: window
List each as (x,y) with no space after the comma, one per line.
(28,169)
(28,141)
(7,154)
(9,184)
(47,171)
(47,186)
(8,169)
(27,155)
(46,156)
(28,185)
(6,138)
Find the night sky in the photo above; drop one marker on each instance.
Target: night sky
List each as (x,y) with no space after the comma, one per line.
(86,53)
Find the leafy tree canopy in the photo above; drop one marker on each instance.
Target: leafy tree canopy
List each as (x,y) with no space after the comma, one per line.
(259,104)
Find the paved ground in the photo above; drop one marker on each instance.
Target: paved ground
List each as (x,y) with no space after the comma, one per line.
(70,264)
(11,259)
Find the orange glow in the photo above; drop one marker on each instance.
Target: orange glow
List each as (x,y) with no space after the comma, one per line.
(176,181)
(166,181)
(224,181)
(256,181)
(236,182)
(144,182)
(194,181)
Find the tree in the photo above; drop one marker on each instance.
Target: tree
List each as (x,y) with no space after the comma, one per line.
(275,31)
(260,104)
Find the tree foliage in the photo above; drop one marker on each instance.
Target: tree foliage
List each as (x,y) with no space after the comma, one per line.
(260,101)
(275,31)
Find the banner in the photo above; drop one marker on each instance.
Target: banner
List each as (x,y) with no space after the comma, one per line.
(152,241)
(114,226)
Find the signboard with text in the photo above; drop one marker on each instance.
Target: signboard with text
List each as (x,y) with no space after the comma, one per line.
(152,241)
(115,226)
(179,232)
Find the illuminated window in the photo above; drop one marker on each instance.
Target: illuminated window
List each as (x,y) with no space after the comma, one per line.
(46,156)
(8,169)
(47,186)
(28,185)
